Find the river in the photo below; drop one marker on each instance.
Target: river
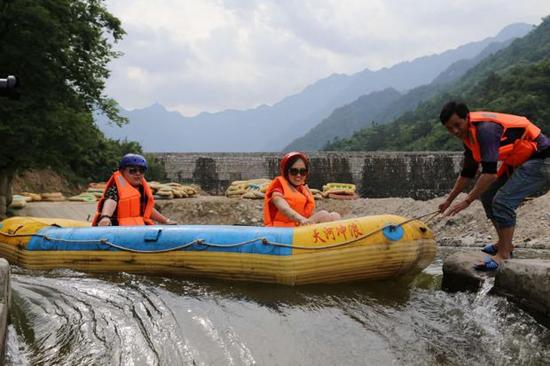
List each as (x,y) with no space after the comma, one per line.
(65,317)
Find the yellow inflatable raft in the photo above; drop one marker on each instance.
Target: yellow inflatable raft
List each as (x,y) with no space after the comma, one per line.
(373,247)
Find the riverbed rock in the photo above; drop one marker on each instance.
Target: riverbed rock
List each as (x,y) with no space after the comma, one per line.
(459,273)
(526,281)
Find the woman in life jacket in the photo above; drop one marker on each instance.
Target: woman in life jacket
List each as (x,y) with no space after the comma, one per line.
(288,201)
(127,199)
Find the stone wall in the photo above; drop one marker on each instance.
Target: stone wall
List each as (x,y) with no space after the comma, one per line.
(420,175)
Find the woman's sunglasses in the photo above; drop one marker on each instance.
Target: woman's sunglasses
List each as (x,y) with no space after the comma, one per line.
(136,169)
(296,171)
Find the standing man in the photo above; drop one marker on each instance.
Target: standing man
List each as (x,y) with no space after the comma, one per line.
(488,138)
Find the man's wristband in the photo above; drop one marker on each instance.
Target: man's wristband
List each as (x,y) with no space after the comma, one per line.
(103,216)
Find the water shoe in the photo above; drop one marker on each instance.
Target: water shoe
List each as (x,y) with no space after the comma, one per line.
(488,265)
(492,249)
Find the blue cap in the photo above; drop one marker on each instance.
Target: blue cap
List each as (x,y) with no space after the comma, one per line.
(134,160)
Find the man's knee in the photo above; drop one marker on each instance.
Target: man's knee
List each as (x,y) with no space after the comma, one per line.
(503,212)
(486,198)
(487,202)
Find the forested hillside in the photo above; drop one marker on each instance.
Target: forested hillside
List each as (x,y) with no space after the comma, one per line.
(371,107)
(376,109)
(514,80)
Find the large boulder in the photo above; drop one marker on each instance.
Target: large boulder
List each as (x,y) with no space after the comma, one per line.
(526,281)
(459,273)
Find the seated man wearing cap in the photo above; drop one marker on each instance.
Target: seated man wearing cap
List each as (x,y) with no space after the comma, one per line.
(127,199)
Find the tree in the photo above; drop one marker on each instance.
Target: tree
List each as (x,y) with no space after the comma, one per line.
(59,49)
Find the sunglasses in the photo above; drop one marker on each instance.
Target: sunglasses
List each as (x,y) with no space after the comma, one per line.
(296,171)
(136,169)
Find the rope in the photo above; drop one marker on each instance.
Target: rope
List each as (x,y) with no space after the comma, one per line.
(264,241)
(126,249)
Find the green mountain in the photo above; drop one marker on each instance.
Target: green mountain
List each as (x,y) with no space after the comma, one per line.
(343,121)
(513,80)
(378,108)
(253,129)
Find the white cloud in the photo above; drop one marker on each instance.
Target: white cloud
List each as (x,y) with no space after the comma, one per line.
(211,55)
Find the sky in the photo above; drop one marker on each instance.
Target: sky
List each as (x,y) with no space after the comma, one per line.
(196,56)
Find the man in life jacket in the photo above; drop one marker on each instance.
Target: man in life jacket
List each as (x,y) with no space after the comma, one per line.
(127,199)
(524,153)
(288,201)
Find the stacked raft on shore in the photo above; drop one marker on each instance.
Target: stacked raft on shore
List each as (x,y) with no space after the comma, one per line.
(340,191)
(252,189)
(256,188)
(374,247)
(94,192)
(20,200)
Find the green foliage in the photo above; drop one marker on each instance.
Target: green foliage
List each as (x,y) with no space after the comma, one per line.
(59,49)
(91,166)
(156,170)
(515,80)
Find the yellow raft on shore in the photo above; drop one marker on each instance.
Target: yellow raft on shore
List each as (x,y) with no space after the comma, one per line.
(372,247)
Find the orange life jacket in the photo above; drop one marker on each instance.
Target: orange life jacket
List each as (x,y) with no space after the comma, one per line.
(129,202)
(299,199)
(511,153)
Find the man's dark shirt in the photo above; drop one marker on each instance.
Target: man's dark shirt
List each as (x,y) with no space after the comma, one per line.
(488,137)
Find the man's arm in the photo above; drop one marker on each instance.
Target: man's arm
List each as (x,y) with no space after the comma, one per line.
(488,135)
(469,171)
(482,184)
(461,183)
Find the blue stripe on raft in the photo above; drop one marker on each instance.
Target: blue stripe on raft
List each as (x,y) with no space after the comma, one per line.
(150,238)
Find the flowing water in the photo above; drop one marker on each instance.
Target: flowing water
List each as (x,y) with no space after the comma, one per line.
(70,318)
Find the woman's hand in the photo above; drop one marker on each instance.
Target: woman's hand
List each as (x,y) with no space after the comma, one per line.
(305,221)
(109,207)
(283,206)
(105,221)
(170,222)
